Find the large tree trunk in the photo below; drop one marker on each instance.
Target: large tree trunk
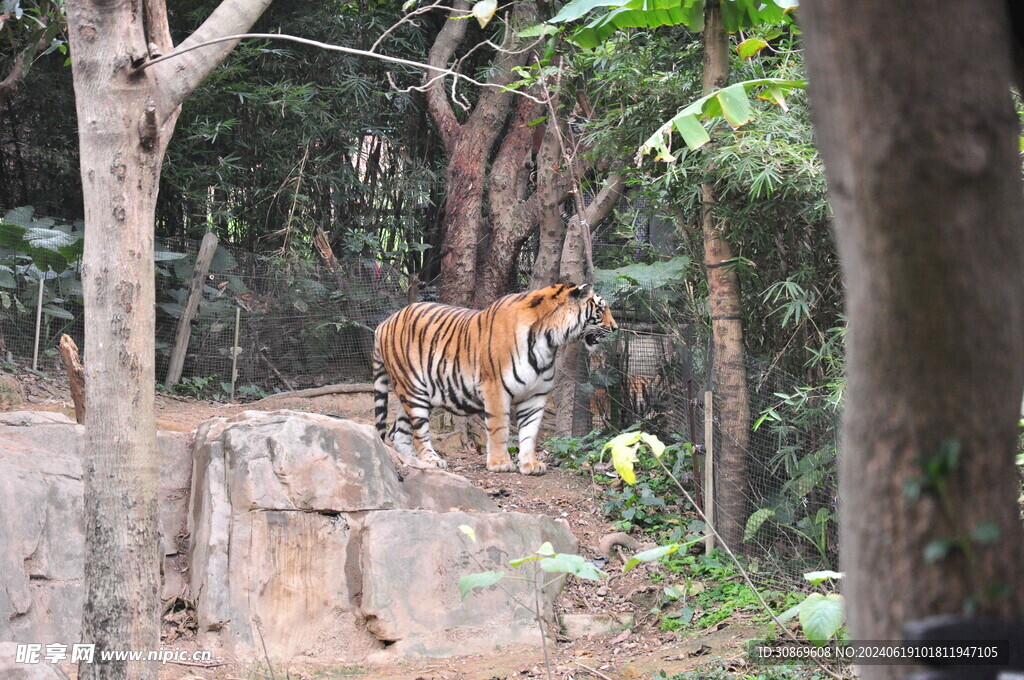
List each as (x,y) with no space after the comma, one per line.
(126,118)
(469,147)
(512,215)
(917,129)
(728,370)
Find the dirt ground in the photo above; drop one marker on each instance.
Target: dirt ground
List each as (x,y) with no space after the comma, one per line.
(637,652)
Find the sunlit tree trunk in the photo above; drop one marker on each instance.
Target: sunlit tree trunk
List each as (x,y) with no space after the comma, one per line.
(915,122)
(728,370)
(126,116)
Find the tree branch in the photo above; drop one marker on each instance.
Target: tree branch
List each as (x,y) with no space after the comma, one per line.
(440,54)
(231,17)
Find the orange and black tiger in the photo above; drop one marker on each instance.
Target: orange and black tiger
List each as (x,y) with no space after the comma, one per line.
(494,362)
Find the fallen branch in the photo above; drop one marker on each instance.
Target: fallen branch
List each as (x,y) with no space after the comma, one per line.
(349,388)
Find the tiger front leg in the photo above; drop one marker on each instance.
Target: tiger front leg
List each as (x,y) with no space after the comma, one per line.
(419,422)
(528,416)
(496,420)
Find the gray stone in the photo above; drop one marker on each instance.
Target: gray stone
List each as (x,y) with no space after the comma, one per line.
(441,491)
(10,669)
(411,565)
(305,539)
(42,531)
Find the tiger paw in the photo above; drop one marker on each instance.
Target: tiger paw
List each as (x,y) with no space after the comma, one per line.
(434,460)
(501,466)
(533,467)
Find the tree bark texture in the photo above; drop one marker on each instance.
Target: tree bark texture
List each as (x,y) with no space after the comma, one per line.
(126,116)
(468,145)
(512,212)
(729,373)
(916,126)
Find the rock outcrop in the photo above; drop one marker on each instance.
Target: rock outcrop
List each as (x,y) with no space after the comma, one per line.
(296,532)
(306,539)
(42,529)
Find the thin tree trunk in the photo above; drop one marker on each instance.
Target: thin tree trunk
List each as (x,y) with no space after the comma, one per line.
(729,369)
(576,267)
(126,118)
(924,176)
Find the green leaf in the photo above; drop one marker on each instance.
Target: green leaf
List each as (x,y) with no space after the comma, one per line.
(750,47)
(821,616)
(817,577)
(735,105)
(756,521)
(572,564)
(651,555)
(537,31)
(692,131)
(484,11)
(574,10)
(481,579)
(468,530)
(58,312)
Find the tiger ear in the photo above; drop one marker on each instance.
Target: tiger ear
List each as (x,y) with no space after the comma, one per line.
(583,292)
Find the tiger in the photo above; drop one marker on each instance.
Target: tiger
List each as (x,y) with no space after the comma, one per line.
(495,362)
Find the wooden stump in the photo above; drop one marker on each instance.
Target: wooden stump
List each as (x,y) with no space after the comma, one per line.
(76,375)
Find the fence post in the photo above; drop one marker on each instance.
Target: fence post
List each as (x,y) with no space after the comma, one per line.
(195,292)
(234,352)
(39,320)
(709,470)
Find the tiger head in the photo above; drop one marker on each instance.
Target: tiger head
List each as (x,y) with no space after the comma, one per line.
(596,318)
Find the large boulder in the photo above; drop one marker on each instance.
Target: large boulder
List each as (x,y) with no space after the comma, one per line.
(307,540)
(411,564)
(42,529)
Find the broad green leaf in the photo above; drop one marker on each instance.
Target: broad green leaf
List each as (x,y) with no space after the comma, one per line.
(572,564)
(484,11)
(821,616)
(58,312)
(735,105)
(468,530)
(818,577)
(750,47)
(574,10)
(478,580)
(650,555)
(939,549)
(756,521)
(791,612)
(692,131)
(537,31)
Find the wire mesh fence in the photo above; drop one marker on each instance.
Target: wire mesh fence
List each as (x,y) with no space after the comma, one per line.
(282,324)
(653,376)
